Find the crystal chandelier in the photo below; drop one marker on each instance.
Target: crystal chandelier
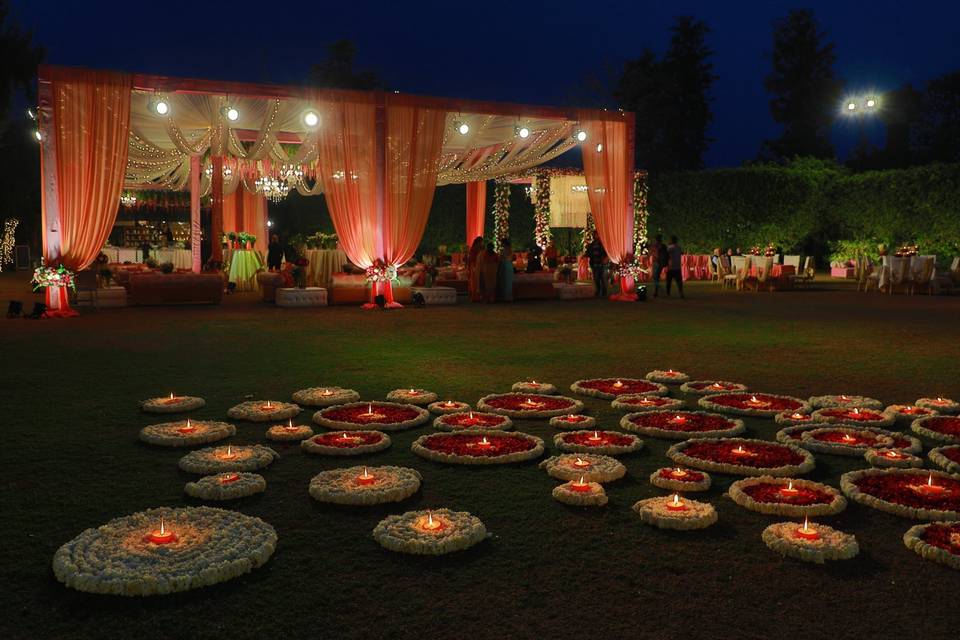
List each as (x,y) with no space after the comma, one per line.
(273,189)
(128,199)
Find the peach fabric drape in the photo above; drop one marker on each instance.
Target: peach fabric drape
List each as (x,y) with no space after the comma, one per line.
(245,211)
(476,209)
(609,175)
(88,136)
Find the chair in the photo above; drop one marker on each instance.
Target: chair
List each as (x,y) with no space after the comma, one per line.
(900,275)
(744,277)
(727,277)
(869,275)
(87,282)
(792,261)
(923,279)
(805,276)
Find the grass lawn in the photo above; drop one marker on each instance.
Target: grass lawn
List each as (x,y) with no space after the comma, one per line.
(71,460)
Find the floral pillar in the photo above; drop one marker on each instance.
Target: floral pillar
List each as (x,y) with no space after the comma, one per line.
(541,210)
(216,217)
(501,213)
(195,213)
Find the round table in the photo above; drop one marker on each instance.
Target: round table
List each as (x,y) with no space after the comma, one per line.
(323,264)
(244,265)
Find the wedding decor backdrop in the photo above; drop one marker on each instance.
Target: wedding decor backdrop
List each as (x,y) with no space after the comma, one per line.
(377,158)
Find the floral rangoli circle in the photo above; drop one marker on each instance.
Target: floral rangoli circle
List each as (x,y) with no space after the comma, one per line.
(610,443)
(229,458)
(856,416)
(742,456)
(385,416)
(706,387)
(610,388)
(186,433)
(635,403)
(432,533)
(818,543)
(681,425)
(478,447)
(764,405)
(895,458)
(529,405)
(414,396)
(667,377)
(947,458)
(679,479)
(230,485)
(907,413)
(580,494)
(172,404)
(447,406)
(941,428)
(940,405)
(589,466)
(936,541)
(910,493)
(573,421)
(346,443)
(473,420)
(263,411)
(843,401)
(844,440)
(794,435)
(794,418)
(674,512)
(533,386)
(289,432)
(791,497)
(365,485)
(324,396)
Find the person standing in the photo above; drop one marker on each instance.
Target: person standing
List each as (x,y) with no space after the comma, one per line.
(674,265)
(597,256)
(659,258)
(474,267)
(488,263)
(505,274)
(274,253)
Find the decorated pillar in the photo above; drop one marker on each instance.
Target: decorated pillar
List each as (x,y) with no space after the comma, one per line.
(216,217)
(501,212)
(476,209)
(195,214)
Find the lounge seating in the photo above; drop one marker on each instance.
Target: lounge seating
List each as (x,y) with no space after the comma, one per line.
(269,282)
(176,288)
(355,289)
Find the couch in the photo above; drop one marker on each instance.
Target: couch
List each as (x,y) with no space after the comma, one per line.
(175,288)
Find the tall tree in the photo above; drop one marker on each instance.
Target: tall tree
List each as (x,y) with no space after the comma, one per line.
(672,99)
(337,70)
(805,91)
(20,58)
(938,134)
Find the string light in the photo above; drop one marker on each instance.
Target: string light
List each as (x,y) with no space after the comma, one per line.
(599,147)
(9,237)
(31,113)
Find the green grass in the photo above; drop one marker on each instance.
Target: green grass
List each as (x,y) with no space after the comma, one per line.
(71,460)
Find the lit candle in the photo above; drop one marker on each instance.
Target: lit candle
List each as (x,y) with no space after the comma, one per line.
(227,478)
(580,486)
(892,454)
(646,401)
(595,437)
(449,404)
(679,419)
(617,384)
(806,532)
(740,451)
(798,416)
(716,385)
(326,392)
(484,442)
(533,383)
(855,412)
(187,428)
(161,535)
(789,491)
(173,399)
(580,463)
(941,401)
(414,392)
(366,478)
(844,398)
(290,426)
(676,504)
(679,473)
(671,372)
(572,418)
(849,439)
(429,524)
(931,489)
(369,410)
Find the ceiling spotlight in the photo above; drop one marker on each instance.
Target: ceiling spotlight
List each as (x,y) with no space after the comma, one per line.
(31,114)
(581,135)
(38,135)
(269,223)
(523,132)
(311,118)
(871,103)
(231,113)
(851,106)
(463,128)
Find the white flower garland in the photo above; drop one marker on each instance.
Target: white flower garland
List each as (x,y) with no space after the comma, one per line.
(913,538)
(941,405)
(808,441)
(936,457)
(408,532)
(853,492)
(885,419)
(727,387)
(785,435)
(423,451)
(575,407)
(324,396)
(218,459)
(676,454)
(738,495)
(709,402)
(593,496)
(412,395)
(920,428)
(633,403)
(655,511)
(667,377)
(736,426)
(176,404)
(559,441)
(441,423)
(257,411)
(337,425)
(534,387)
(226,486)
(578,388)
(844,402)
(831,545)
(579,421)
(601,468)
(211,546)
(286,433)
(902,460)
(347,485)
(907,413)
(673,484)
(311,446)
(447,407)
(181,434)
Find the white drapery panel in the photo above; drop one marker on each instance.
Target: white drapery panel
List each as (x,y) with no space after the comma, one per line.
(569,202)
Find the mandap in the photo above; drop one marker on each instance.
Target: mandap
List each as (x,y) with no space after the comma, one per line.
(375,156)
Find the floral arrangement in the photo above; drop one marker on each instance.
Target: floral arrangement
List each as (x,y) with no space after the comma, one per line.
(794,434)
(478,447)
(794,418)
(172,404)
(940,428)
(387,416)
(635,403)
(263,411)
(573,421)
(940,405)
(520,405)
(852,441)
(220,459)
(609,443)
(324,396)
(365,485)
(299,272)
(829,543)
(321,240)
(763,405)
(844,401)
(431,533)
(226,486)
(678,479)
(289,432)
(674,512)
(471,420)
(610,388)
(346,443)
(186,433)
(246,239)
(589,466)
(947,458)
(640,213)
(588,233)
(681,425)
(755,250)
(630,269)
(770,251)
(742,456)
(886,457)
(667,377)
(534,387)
(59,276)
(209,546)
(418,397)
(379,271)
(791,497)
(541,211)
(580,494)
(855,416)
(936,541)
(447,406)
(501,213)
(907,413)
(905,492)
(704,387)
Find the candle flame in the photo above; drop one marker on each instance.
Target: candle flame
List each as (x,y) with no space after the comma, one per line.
(843,397)
(618,384)
(939,399)
(369,408)
(797,416)
(163,531)
(188,424)
(680,472)
(856,412)
(790,486)
(533,382)
(806,524)
(365,475)
(484,441)
(172,396)
(754,399)
(471,415)
(739,449)
(580,481)
(930,480)
(596,435)
(269,406)
(676,499)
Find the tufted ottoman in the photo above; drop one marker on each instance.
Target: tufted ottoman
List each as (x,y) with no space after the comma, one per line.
(309,297)
(573,291)
(437,295)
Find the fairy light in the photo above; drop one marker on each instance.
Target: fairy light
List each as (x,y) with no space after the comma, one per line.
(9,237)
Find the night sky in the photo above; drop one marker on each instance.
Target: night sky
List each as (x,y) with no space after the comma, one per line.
(514,51)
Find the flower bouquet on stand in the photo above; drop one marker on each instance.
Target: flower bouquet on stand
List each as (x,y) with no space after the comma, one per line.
(299,272)
(60,276)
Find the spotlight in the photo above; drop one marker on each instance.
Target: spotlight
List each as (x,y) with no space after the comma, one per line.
(380,301)
(851,106)
(39,309)
(581,135)
(462,127)
(871,103)
(523,132)
(162,108)
(311,118)
(269,223)
(231,113)
(38,135)
(31,113)
(599,147)
(15,309)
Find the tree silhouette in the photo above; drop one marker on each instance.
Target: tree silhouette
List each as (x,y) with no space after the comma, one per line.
(337,70)
(804,89)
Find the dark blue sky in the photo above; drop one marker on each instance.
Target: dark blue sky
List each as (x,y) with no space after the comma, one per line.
(525,52)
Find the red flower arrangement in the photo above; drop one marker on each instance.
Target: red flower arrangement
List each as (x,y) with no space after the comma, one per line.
(754,454)
(345,440)
(473,421)
(905,488)
(688,475)
(627,385)
(944,536)
(646,401)
(519,402)
(774,493)
(764,401)
(683,421)
(858,415)
(461,444)
(382,414)
(951,453)
(946,425)
(713,385)
(849,438)
(603,438)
